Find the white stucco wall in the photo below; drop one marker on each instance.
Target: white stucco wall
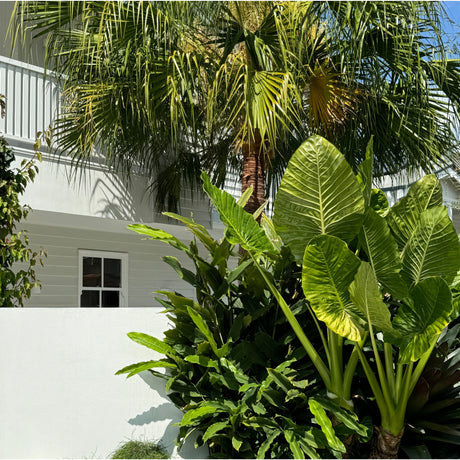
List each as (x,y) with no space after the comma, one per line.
(59,396)
(97,192)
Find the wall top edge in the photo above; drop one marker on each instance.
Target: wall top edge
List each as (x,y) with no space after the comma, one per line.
(24,65)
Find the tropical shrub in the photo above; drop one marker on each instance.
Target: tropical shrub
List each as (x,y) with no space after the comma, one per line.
(15,284)
(353,258)
(234,365)
(376,281)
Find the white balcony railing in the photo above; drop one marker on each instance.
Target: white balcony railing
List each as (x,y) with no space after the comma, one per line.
(32,102)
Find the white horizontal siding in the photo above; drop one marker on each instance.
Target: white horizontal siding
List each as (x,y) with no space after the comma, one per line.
(59,277)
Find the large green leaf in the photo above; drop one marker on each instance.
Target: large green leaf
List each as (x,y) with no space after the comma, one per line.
(203,327)
(319,194)
(326,425)
(366,296)
(382,252)
(202,361)
(241,228)
(293,444)
(158,234)
(271,436)
(270,231)
(379,202)
(328,270)
(423,317)
(198,230)
(194,415)
(433,248)
(347,417)
(183,273)
(455,288)
(153,343)
(134,369)
(404,216)
(215,428)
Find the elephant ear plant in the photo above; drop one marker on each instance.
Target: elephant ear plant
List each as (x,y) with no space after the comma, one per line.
(375,282)
(358,259)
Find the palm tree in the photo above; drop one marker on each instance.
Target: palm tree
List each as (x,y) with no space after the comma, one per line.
(171,88)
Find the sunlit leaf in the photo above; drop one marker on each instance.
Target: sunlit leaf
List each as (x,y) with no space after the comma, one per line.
(328,270)
(319,194)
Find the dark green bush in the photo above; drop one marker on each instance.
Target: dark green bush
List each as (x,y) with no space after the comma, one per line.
(235,366)
(433,413)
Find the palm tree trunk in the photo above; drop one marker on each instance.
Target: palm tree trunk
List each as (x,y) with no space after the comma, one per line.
(385,444)
(253,174)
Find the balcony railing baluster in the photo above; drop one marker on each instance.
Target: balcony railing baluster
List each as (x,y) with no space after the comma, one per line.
(32,101)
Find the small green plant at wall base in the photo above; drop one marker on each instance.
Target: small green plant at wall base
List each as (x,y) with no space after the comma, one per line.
(140,450)
(15,283)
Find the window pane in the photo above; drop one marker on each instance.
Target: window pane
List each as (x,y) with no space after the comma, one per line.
(110,299)
(112,273)
(92,271)
(89,299)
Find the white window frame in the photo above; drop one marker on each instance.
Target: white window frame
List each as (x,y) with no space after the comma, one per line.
(123,256)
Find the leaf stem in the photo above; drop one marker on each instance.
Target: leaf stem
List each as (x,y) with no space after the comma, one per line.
(420,367)
(374,384)
(389,398)
(336,369)
(388,354)
(399,376)
(309,348)
(350,369)
(321,334)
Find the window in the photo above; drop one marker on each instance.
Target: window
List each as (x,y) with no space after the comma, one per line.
(103,279)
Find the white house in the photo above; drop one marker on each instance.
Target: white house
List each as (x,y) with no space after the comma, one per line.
(93,260)
(63,400)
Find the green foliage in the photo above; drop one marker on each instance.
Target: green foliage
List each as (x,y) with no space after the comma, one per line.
(311,202)
(15,284)
(433,411)
(140,449)
(365,270)
(233,363)
(413,252)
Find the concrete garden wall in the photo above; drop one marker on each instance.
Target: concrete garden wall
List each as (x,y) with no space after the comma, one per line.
(59,397)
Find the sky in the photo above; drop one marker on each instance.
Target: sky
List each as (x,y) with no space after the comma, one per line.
(453,11)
